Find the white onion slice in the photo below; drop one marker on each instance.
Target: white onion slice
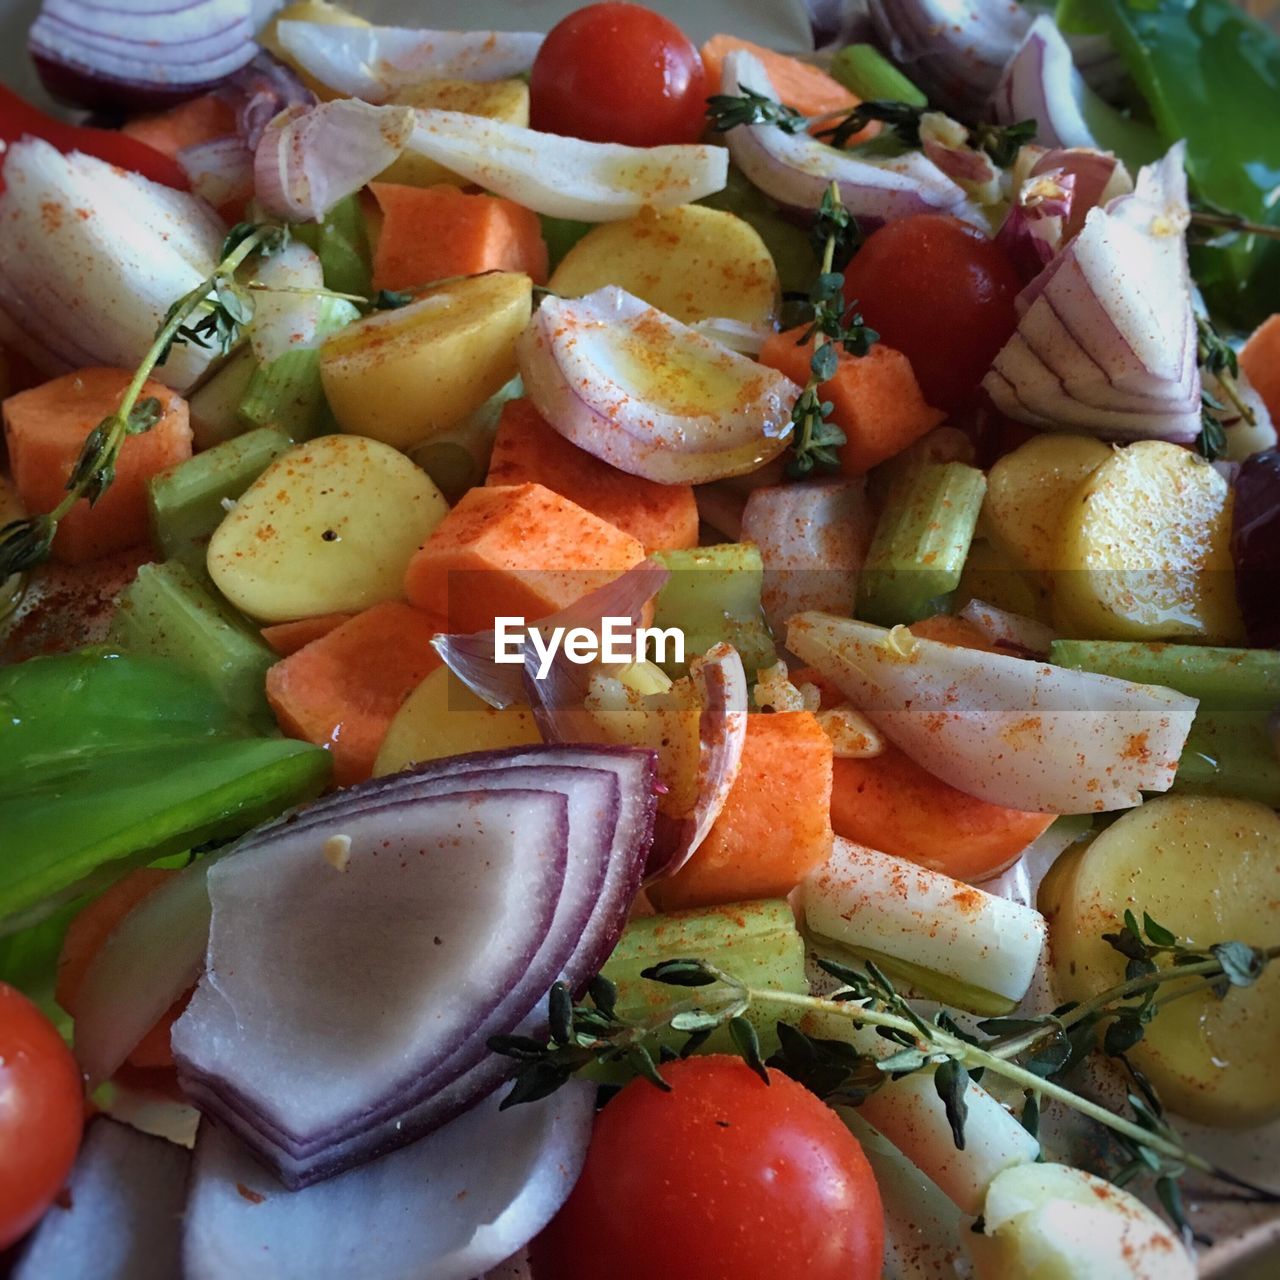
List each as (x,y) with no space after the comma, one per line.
(292,313)
(1021,734)
(220,170)
(92,257)
(449,1207)
(813,539)
(650,395)
(1106,342)
(872,901)
(1010,630)
(139,52)
(374,62)
(796,169)
(121,1217)
(567,177)
(309,158)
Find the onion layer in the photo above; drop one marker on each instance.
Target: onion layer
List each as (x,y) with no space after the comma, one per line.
(1042,84)
(1022,734)
(649,395)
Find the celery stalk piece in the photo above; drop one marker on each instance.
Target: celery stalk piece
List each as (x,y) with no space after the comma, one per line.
(1230,754)
(561,234)
(713,595)
(215,408)
(920,545)
(166,612)
(787,243)
(186,501)
(756,942)
(341,240)
(868,74)
(287,396)
(458,458)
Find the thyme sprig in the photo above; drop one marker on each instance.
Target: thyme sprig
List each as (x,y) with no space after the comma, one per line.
(1218,359)
(212,315)
(1031,1054)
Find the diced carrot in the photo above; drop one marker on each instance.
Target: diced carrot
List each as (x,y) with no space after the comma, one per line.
(433,233)
(342,691)
(196,120)
(85,937)
(45,429)
(286,638)
(1260,360)
(892,804)
(775,826)
(528,450)
(514,551)
(876,400)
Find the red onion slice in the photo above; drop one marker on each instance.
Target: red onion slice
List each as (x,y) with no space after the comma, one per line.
(1041,83)
(449,1207)
(121,1216)
(374,62)
(649,395)
(220,170)
(259,91)
(796,169)
(1025,735)
(143,53)
(1098,177)
(1106,343)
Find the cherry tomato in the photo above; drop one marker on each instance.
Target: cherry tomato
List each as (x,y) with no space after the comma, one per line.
(619,73)
(942,293)
(723,1178)
(41,1114)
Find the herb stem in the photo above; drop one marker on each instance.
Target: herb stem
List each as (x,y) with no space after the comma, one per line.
(1234,222)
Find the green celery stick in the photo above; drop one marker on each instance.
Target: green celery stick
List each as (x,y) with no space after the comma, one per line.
(457,459)
(1223,679)
(754,941)
(341,241)
(920,545)
(186,501)
(215,408)
(286,396)
(713,594)
(866,72)
(166,612)
(561,234)
(787,243)
(1230,753)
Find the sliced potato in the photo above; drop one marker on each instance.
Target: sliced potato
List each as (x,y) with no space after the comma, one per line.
(1144,551)
(442,717)
(1028,490)
(992,577)
(689,261)
(403,376)
(1208,868)
(328,527)
(505,100)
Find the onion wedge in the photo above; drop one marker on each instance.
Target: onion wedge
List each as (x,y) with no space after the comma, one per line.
(449,1207)
(120,1217)
(649,395)
(1041,83)
(374,62)
(796,169)
(1022,734)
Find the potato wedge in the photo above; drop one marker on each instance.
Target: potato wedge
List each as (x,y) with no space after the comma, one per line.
(1028,491)
(1144,552)
(1207,868)
(403,376)
(994,578)
(689,261)
(328,527)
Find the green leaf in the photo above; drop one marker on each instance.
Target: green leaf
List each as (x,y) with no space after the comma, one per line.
(25,544)
(560,1013)
(748,1045)
(1122,1033)
(951,1080)
(681,973)
(524,1048)
(604,994)
(903,1061)
(640,1060)
(1157,933)
(144,415)
(1030,1115)
(391,299)
(695,1020)
(537,1080)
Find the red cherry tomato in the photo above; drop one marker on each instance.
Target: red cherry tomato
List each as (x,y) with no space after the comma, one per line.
(723,1178)
(41,1114)
(619,73)
(942,293)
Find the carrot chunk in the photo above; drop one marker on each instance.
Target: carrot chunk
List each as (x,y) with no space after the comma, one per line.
(876,400)
(528,450)
(1260,360)
(800,85)
(775,826)
(342,690)
(514,551)
(286,638)
(196,120)
(45,429)
(435,233)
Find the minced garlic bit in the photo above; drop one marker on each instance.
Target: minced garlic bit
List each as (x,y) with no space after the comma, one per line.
(337,852)
(900,641)
(853,736)
(774,691)
(228,504)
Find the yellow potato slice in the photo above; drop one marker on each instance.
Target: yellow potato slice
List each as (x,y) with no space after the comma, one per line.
(1144,551)
(442,717)
(691,262)
(403,376)
(328,527)
(993,577)
(1028,491)
(505,100)
(1207,868)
